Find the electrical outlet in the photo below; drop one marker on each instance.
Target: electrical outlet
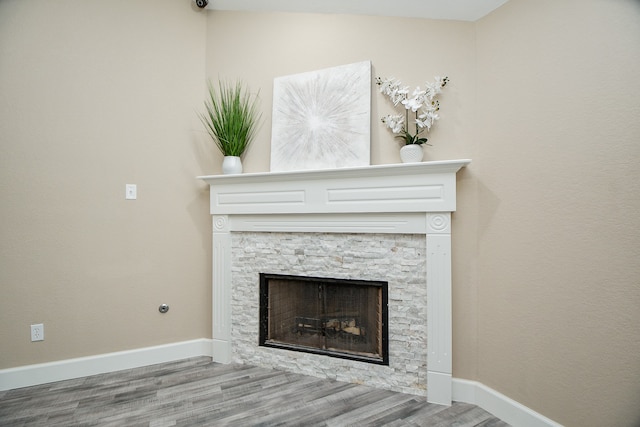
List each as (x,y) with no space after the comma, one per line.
(37,332)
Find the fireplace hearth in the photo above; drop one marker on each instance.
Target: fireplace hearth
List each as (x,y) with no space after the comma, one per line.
(329,316)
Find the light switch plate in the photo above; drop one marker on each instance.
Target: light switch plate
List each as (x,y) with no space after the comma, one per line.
(131,192)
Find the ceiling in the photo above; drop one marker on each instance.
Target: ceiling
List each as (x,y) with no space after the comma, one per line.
(462,10)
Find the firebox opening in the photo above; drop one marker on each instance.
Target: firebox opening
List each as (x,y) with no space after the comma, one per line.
(334,317)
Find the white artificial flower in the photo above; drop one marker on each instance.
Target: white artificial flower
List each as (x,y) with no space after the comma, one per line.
(415,103)
(423,123)
(393,88)
(385,85)
(399,94)
(394,122)
(426,119)
(412,104)
(435,88)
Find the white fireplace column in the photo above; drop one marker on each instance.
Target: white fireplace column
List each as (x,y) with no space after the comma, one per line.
(415,198)
(439,329)
(221,289)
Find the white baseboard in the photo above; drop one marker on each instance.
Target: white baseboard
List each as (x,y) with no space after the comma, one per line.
(467,391)
(24,376)
(503,407)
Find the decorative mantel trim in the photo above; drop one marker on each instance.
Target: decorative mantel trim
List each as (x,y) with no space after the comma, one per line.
(413,198)
(414,187)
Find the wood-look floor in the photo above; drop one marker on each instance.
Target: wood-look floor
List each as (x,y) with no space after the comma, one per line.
(197,392)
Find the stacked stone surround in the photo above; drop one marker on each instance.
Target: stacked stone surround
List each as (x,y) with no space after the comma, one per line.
(399,259)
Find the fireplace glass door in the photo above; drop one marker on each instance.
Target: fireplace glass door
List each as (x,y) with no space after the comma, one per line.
(336,317)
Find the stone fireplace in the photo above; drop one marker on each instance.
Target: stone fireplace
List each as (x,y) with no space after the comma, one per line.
(387,224)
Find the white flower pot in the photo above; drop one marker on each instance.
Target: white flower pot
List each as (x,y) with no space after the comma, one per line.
(231,165)
(411,153)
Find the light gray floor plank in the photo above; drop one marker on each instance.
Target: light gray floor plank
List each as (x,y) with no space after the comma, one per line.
(196,392)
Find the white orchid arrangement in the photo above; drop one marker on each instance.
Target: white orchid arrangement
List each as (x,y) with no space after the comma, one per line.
(422,103)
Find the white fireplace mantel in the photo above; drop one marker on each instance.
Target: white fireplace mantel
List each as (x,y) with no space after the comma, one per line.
(415,198)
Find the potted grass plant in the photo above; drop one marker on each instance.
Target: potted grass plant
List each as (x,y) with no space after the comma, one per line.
(231,118)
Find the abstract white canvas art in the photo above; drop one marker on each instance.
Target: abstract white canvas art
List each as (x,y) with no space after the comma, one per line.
(322,119)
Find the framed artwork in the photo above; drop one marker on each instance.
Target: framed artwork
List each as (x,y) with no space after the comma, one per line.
(322,119)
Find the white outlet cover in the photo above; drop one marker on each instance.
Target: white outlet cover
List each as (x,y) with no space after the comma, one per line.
(37,332)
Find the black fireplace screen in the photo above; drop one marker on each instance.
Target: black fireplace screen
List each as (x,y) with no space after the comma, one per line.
(335,317)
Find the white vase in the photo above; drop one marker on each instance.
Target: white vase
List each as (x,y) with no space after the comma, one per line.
(411,153)
(231,165)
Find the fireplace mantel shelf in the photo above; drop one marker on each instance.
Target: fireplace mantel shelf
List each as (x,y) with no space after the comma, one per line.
(415,198)
(401,169)
(412,187)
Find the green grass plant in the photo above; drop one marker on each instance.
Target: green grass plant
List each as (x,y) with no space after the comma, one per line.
(231,118)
